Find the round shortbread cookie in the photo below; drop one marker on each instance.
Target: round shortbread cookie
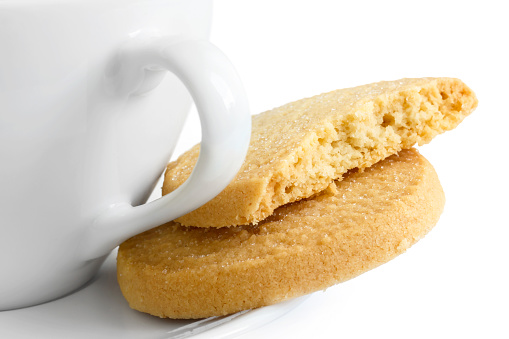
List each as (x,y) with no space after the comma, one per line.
(355,225)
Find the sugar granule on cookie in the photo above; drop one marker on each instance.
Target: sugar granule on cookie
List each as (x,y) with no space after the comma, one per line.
(298,149)
(355,225)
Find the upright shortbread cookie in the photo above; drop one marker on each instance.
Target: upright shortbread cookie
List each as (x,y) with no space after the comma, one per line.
(355,225)
(298,149)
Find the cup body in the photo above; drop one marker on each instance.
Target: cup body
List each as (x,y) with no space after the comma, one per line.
(71,147)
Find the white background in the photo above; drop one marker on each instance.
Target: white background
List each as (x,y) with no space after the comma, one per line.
(453,283)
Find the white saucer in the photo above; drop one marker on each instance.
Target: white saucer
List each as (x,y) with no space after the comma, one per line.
(99,310)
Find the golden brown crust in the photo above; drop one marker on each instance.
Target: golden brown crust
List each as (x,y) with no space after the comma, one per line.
(355,225)
(298,149)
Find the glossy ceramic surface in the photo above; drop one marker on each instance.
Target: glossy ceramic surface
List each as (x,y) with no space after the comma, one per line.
(87,124)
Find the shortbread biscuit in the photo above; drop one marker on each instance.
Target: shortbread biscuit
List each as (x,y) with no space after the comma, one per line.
(298,149)
(353,226)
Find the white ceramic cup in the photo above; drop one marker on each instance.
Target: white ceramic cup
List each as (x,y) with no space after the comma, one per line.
(87,125)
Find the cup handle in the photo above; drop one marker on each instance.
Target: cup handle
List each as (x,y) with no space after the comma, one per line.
(226,128)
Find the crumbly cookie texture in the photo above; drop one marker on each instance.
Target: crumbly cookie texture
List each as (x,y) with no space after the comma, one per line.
(298,149)
(354,225)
